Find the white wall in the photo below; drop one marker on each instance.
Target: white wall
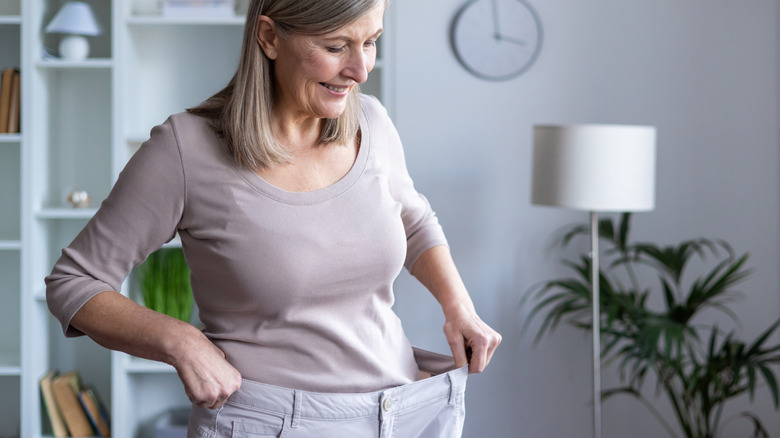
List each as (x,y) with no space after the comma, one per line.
(705,72)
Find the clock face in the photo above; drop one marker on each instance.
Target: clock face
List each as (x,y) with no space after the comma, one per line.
(496,39)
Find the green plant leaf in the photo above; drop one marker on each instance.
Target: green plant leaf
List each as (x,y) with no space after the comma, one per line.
(755,347)
(699,376)
(165,283)
(771,382)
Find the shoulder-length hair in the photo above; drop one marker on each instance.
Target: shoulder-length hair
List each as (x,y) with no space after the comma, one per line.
(242,111)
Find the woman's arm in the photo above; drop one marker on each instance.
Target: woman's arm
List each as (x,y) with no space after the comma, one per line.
(464,330)
(117,322)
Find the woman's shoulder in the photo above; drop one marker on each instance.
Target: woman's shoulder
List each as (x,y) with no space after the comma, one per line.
(191,137)
(372,107)
(192,125)
(178,126)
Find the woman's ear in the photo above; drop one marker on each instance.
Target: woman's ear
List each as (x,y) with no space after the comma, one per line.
(267,36)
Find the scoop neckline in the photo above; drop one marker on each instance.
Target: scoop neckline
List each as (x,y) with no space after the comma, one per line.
(315,196)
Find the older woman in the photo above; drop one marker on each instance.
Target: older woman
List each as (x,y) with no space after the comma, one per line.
(296,213)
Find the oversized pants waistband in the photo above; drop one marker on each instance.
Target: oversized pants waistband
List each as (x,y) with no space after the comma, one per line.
(446,382)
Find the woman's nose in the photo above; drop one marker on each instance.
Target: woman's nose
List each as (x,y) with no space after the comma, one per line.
(358,66)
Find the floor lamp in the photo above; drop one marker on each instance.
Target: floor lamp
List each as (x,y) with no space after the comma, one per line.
(598,168)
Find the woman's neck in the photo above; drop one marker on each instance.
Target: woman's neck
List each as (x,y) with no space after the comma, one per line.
(297,134)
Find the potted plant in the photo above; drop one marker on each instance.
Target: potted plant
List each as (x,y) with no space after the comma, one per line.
(699,367)
(165,283)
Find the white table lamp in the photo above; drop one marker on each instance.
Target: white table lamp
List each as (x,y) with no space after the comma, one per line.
(595,168)
(76,21)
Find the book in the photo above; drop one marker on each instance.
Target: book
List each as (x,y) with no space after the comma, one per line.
(14,105)
(96,412)
(66,388)
(6,77)
(50,406)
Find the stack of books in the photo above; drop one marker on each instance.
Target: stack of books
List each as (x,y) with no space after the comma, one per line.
(199,8)
(73,409)
(10,100)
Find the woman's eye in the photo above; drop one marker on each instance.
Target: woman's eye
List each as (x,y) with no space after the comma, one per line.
(370,43)
(335,49)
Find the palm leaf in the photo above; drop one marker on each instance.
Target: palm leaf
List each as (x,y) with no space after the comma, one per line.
(771,382)
(699,376)
(755,347)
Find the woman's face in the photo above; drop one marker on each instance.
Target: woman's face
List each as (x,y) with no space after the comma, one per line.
(314,74)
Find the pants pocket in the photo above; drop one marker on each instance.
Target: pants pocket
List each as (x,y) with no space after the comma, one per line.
(202,423)
(257,425)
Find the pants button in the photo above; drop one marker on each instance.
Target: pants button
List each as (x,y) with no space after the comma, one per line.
(387,404)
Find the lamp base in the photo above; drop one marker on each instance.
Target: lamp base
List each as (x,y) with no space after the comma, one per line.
(74,48)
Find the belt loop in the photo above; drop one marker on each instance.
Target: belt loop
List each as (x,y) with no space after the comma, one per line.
(450,398)
(296,415)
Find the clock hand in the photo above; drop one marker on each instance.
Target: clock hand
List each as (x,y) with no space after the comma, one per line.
(509,39)
(496,29)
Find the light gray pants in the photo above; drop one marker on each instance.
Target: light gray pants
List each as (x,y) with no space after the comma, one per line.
(428,408)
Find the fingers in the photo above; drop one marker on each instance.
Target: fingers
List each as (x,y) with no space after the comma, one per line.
(208,404)
(482,348)
(213,394)
(208,378)
(473,342)
(458,347)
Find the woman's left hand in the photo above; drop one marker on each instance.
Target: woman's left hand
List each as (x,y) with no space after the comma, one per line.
(470,339)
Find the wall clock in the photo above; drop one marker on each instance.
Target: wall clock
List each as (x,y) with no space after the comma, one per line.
(496,40)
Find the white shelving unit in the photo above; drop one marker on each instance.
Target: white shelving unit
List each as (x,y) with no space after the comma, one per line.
(11,147)
(81,122)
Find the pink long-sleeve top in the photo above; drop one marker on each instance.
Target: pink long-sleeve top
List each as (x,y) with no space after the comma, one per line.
(295,287)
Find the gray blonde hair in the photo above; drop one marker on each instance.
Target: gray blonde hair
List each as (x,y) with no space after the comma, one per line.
(242,111)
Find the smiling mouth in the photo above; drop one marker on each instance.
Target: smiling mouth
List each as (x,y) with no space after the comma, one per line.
(334,88)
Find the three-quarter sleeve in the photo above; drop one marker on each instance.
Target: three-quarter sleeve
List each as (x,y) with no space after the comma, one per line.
(423,230)
(141,213)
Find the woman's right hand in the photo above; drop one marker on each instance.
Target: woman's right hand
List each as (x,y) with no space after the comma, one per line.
(208,378)
(119,323)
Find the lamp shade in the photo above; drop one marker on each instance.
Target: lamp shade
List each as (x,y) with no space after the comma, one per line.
(594,167)
(75,18)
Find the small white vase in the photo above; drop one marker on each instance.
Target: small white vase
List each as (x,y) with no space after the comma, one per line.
(74,48)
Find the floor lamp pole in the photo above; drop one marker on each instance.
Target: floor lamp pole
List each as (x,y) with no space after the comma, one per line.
(596,319)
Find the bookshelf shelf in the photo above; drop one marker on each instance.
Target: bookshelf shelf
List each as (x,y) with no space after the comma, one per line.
(92,63)
(9,364)
(10,245)
(137,365)
(10,370)
(166,21)
(10,138)
(136,139)
(66,213)
(11,19)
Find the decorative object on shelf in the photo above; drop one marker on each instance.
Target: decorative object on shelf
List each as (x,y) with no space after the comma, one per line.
(595,168)
(10,100)
(79,199)
(76,21)
(199,8)
(698,366)
(496,40)
(165,283)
